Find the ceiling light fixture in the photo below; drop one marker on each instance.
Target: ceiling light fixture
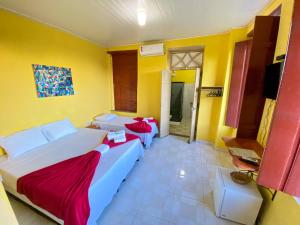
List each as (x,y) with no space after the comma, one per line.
(141,17)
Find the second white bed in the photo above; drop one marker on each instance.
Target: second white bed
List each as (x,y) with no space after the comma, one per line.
(112,169)
(119,123)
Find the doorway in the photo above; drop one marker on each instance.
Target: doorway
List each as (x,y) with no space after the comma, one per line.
(185,96)
(182,96)
(180,92)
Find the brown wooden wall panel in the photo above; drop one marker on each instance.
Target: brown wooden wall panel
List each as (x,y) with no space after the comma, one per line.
(280,167)
(125,80)
(262,54)
(237,83)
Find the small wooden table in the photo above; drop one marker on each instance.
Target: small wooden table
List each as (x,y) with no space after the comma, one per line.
(247,144)
(91,126)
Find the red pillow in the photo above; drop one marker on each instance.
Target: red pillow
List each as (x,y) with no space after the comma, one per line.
(139,127)
(149,120)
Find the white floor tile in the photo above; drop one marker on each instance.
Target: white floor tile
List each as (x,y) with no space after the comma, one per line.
(183,128)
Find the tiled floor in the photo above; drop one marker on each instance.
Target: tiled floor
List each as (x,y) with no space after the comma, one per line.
(184,128)
(172,185)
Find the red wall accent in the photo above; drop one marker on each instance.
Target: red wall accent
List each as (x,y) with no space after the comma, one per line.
(261,55)
(280,167)
(246,101)
(237,83)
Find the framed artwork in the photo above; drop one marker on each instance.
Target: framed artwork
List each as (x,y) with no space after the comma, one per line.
(52,81)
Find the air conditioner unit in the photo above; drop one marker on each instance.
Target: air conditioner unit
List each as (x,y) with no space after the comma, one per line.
(152,50)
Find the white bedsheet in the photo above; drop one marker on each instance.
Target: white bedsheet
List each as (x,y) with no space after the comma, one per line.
(112,169)
(119,123)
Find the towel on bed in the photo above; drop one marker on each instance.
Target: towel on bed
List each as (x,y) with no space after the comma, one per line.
(116,134)
(112,143)
(139,127)
(62,188)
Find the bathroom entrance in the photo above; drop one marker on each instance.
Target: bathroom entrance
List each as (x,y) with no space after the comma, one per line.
(180,91)
(182,97)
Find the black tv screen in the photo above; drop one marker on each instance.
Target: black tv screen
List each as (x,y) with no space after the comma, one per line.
(272,80)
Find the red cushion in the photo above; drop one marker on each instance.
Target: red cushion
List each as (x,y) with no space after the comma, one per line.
(149,120)
(139,127)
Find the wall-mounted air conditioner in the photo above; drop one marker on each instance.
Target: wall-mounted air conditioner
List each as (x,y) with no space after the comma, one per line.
(152,50)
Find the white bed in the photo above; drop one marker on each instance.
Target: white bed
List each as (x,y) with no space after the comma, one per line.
(119,123)
(113,168)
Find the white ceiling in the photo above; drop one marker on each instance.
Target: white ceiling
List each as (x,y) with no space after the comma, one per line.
(113,22)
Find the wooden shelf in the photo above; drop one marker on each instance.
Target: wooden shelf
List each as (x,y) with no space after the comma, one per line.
(247,144)
(244,143)
(93,126)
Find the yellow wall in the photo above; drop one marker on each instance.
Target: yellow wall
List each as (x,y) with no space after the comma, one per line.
(24,42)
(215,66)
(283,210)
(216,72)
(186,76)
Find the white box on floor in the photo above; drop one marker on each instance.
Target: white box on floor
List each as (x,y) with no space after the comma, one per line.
(236,202)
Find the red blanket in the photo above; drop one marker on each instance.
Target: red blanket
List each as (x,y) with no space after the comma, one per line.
(62,188)
(150,120)
(139,127)
(111,143)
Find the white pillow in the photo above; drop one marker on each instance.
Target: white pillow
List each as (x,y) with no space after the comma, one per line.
(58,129)
(23,141)
(106,117)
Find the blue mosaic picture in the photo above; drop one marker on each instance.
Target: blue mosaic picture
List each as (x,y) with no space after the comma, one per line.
(52,81)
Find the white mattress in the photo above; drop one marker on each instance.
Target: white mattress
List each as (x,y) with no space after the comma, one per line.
(119,123)
(112,169)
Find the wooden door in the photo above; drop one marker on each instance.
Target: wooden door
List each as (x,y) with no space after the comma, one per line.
(195,104)
(125,80)
(165,103)
(280,167)
(261,55)
(237,83)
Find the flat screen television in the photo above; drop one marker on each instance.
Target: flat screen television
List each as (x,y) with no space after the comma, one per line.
(272,80)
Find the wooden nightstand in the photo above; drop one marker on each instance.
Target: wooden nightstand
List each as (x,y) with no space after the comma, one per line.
(93,127)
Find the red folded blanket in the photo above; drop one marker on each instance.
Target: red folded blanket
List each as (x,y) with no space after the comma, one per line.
(111,143)
(139,127)
(150,120)
(62,188)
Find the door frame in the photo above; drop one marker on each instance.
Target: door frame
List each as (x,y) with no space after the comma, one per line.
(196,106)
(165,103)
